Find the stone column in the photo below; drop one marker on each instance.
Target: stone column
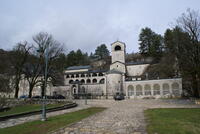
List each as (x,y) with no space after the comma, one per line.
(161,90)
(152,89)
(143,89)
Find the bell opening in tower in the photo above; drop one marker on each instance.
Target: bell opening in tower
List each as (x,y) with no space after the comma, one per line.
(117,48)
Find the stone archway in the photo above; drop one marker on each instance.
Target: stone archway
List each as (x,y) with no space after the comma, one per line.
(147,89)
(102,81)
(166,89)
(130,90)
(117,48)
(175,89)
(139,90)
(74,89)
(156,89)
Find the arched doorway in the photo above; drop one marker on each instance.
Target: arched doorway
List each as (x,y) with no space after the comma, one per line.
(74,89)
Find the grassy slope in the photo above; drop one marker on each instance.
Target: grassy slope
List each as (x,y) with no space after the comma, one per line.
(53,123)
(26,108)
(173,121)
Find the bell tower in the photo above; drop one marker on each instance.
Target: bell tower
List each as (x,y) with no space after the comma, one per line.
(118,51)
(118,57)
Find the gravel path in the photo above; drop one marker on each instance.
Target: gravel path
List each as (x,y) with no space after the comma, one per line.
(121,117)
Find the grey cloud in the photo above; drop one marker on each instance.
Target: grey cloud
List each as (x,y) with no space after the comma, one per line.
(85,24)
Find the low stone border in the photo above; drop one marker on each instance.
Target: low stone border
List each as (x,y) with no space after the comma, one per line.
(197,102)
(3,118)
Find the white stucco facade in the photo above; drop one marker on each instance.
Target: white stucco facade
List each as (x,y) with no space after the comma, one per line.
(136,70)
(108,83)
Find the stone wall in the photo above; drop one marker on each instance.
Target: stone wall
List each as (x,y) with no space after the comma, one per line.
(118,66)
(114,83)
(136,70)
(157,88)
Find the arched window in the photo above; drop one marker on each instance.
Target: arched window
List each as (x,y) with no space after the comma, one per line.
(88,75)
(77,75)
(102,81)
(100,74)
(156,89)
(175,89)
(130,90)
(82,81)
(71,81)
(67,76)
(82,75)
(74,89)
(94,81)
(147,90)
(139,90)
(88,81)
(72,76)
(117,48)
(77,80)
(166,89)
(94,74)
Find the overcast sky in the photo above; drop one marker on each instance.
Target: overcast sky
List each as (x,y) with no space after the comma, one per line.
(85,24)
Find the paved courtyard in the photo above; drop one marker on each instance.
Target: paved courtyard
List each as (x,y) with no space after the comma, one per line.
(121,117)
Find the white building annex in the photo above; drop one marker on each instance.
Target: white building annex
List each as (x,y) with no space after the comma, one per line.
(121,77)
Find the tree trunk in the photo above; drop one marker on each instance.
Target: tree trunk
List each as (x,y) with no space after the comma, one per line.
(30,91)
(195,86)
(42,92)
(16,88)
(16,91)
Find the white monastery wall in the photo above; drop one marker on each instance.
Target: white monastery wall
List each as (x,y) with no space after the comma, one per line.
(136,70)
(118,56)
(118,66)
(158,88)
(74,71)
(114,83)
(95,89)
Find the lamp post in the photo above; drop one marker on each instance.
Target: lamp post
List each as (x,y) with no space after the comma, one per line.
(43,118)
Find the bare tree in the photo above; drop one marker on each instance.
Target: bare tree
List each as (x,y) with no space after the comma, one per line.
(18,59)
(45,42)
(32,71)
(189,22)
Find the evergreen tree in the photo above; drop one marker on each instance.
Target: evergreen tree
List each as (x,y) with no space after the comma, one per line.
(151,44)
(101,51)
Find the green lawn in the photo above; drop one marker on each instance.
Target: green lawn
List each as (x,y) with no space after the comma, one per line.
(173,121)
(27,108)
(53,123)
